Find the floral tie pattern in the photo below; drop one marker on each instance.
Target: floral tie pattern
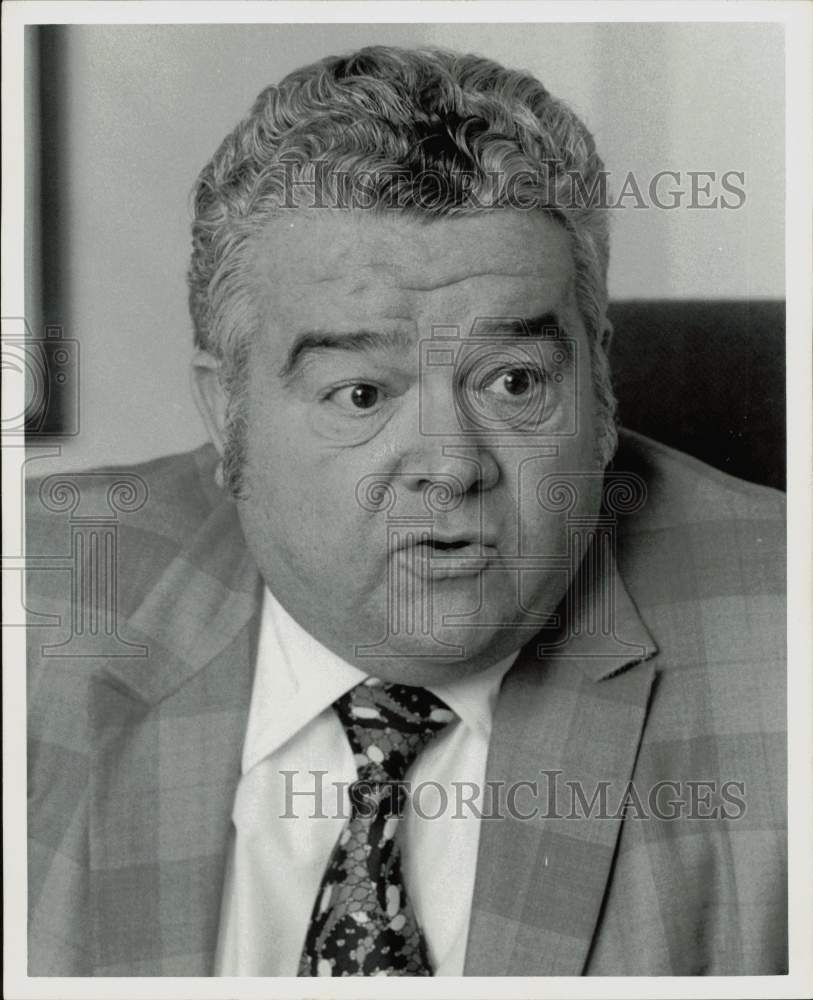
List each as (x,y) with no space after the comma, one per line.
(362,922)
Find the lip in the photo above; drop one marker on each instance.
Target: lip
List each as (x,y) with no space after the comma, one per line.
(469,558)
(410,536)
(471,538)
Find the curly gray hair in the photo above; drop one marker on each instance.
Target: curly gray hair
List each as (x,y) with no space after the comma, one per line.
(429,133)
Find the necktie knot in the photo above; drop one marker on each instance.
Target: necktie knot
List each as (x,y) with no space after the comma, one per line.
(388,725)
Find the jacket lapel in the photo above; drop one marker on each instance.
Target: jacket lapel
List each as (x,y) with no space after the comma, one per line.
(169,730)
(574,710)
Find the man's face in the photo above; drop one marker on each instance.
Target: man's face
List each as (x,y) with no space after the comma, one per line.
(400,420)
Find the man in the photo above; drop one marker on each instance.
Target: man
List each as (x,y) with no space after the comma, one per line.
(420,669)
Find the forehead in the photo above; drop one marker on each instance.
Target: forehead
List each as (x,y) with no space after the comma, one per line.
(327,269)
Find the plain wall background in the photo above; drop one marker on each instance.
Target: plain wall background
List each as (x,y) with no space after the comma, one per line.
(142,108)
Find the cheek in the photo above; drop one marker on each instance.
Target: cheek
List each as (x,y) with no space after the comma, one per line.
(304,501)
(552,493)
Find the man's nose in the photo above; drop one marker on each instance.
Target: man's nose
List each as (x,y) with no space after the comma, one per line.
(437,449)
(461,470)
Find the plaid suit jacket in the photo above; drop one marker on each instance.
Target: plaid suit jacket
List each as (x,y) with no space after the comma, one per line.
(137,721)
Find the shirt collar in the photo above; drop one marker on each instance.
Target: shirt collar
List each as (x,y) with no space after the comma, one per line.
(474,698)
(297,678)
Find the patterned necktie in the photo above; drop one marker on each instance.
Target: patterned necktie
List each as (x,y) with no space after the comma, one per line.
(362,922)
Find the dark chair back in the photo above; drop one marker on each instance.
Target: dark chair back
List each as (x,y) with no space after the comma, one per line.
(707,378)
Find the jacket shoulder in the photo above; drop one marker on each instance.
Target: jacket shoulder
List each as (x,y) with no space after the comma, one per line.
(699,534)
(682,490)
(168,495)
(153,508)
(704,563)
(698,526)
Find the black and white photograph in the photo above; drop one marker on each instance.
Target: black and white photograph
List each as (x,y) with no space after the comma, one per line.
(406,429)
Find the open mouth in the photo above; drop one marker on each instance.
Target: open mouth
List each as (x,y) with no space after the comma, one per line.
(442,558)
(437,545)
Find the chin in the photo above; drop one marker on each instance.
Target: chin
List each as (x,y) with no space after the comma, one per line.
(445,655)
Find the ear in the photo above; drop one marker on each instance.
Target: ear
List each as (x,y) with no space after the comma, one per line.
(209,396)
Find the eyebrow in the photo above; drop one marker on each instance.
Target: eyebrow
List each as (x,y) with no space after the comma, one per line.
(359,340)
(545,326)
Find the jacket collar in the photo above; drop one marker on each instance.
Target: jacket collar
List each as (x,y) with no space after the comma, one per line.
(200,603)
(571,714)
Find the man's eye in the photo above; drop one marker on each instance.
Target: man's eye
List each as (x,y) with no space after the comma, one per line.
(515,382)
(359,397)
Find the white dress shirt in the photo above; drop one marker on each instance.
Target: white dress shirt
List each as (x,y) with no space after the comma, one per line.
(279,849)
